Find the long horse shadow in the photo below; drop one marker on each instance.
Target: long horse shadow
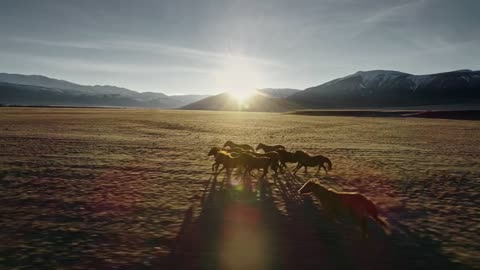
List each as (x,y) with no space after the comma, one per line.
(272,226)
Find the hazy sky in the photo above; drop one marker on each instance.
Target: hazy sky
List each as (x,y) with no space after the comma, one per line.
(205,46)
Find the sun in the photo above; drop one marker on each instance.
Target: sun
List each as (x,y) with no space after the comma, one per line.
(239,77)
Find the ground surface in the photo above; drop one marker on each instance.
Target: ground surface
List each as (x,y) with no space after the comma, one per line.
(132,189)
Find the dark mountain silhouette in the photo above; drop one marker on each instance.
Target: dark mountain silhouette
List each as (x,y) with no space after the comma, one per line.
(383,88)
(40,90)
(38,80)
(278,92)
(364,89)
(187,99)
(256,103)
(19,94)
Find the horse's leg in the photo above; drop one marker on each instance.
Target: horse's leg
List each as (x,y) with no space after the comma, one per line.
(283,167)
(275,167)
(247,170)
(299,165)
(325,168)
(265,171)
(318,171)
(217,165)
(218,172)
(250,172)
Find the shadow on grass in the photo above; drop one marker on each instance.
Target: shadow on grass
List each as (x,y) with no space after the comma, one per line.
(243,229)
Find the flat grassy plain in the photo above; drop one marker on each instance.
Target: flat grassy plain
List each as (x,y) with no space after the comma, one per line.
(132,189)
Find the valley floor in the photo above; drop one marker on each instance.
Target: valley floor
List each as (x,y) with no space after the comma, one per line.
(132,189)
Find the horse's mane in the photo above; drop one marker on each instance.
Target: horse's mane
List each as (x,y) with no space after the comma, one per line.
(224,152)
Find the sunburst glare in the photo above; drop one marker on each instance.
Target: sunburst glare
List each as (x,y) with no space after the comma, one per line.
(239,77)
(242,96)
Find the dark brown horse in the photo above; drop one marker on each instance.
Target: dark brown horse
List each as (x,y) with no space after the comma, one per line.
(255,162)
(338,203)
(274,156)
(305,160)
(242,146)
(243,160)
(269,148)
(286,157)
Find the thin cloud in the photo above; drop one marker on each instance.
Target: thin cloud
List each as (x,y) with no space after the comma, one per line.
(77,64)
(392,13)
(151,48)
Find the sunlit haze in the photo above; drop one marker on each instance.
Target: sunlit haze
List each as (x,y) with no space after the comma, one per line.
(239,77)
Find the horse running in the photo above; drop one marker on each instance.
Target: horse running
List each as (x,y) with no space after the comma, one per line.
(285,157)
(269,148)
(228,161)
(305,160)
(353,204)
(252,162)
(232,151)
(242,146)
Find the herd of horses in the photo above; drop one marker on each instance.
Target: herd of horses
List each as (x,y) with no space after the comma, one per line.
(335,203)
(243,156)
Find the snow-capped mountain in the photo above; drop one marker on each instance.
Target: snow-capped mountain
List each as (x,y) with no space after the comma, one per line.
(392,88)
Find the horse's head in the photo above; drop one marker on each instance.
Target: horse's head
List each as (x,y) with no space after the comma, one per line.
(307,187)
(213,151)
(259,146)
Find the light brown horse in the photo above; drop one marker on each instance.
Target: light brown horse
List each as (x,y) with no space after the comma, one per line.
(232,151)
(242,146)
(229,162)
(305,160)
(353,204)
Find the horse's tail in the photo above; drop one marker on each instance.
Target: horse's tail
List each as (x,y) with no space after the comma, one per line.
(373,213)
(329,163)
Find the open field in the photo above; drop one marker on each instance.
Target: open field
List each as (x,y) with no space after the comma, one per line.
(132,189)
(439,114)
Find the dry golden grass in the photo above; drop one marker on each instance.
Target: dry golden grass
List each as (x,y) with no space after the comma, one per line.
(101,188)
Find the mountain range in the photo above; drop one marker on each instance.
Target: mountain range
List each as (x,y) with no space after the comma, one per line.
(384,88)
(40,90)
(363,89)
